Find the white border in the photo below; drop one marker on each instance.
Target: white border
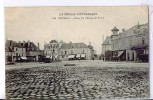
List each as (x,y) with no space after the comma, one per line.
(75,2)
(2,51)
(15,3)
(151,49)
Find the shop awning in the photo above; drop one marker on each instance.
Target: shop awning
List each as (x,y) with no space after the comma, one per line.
(83,55)
(56,56)
(78,55)
(24,58)
(71,56)
(48,56)
(120,53)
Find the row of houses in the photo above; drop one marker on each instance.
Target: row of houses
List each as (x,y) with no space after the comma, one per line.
(53,51)
(129,45)
(21,51)
(68,51)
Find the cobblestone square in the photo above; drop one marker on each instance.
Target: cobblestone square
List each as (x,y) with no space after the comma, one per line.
(86,80)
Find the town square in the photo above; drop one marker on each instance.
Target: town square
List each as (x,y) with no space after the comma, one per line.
(65,53)
(78,80)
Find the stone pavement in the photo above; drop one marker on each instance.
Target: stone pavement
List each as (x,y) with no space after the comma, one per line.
(86,80)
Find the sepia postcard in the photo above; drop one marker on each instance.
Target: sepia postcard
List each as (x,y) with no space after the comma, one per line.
(66,53)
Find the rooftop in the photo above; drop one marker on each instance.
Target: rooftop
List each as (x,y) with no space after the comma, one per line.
(73,45)
(115,29)
(108,38)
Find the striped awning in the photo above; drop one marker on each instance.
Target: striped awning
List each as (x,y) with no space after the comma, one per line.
(83,55)
(24,58)
(120,53)
(78,55)
(48,56)
(71,56)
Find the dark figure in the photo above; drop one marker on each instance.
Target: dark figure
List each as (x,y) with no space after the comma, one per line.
(103,59)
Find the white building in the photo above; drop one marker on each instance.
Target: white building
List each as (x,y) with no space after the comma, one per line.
(131,44)
(51,49)
(76,51)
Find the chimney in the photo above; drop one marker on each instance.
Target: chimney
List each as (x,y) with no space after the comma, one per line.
(19,43)
(23,43)
(89,43)
(123,29)
(38,45)
(28,43)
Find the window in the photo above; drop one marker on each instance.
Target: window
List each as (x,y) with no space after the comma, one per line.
(65,52)
(22,54)
(144,30)
(71,51)
(22,50)
(49,47)
(143,42)
(16,49)
(113,45)
(128,56)
(132,56)
(61,52)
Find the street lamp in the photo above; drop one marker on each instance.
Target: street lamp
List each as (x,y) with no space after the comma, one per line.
(53,54)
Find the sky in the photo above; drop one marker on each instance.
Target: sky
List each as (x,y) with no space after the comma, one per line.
(38,24)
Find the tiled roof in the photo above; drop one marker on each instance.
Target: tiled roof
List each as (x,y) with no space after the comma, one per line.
(30,46)
(73,45)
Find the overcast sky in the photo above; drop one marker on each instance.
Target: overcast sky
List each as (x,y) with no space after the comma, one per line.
(37,24)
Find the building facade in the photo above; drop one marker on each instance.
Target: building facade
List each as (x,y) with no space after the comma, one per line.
(32,51)
(76,51)
(51,50)
(106,46)
(21,51)
(131,44)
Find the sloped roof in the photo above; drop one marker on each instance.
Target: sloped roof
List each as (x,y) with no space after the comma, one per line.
(28,45)
(115,29)
(130,31)
(73,45)
(8,49)
(108,38)
(9,43)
